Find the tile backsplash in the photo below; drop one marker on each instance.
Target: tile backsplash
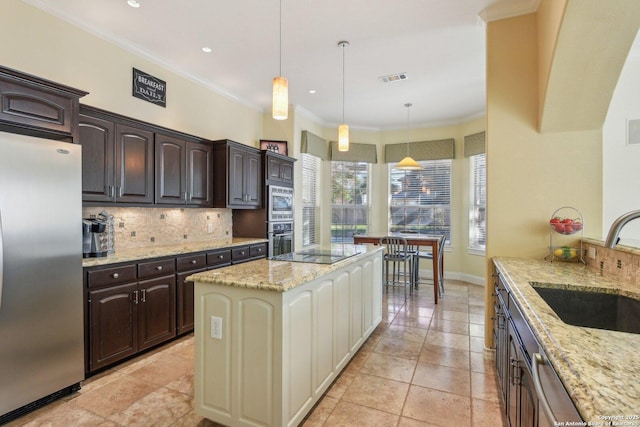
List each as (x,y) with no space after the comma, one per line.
(620,262)
(143,227)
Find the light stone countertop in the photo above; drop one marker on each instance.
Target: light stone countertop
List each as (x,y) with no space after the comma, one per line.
(599,368)
(279,276)
(134,254)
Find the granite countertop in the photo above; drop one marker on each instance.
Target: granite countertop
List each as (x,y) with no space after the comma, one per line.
(599,368)
(126,255)
(272,275)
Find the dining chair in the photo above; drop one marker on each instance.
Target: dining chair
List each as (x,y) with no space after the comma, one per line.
(401,260)
(429,255)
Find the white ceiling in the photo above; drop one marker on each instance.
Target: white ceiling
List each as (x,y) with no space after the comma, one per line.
(440,44)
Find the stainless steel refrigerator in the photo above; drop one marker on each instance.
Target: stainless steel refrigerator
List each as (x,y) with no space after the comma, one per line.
(41,304)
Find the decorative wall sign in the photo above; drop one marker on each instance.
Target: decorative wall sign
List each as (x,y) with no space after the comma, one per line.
(149,88)
(279,147)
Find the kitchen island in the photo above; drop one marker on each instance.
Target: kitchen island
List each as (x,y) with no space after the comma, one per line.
(271,336)
(598,368)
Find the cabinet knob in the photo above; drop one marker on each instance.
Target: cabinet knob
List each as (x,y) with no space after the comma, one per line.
(242,253)
(115,275)
(259,249)
(221,256)
(193,261)
(159,268)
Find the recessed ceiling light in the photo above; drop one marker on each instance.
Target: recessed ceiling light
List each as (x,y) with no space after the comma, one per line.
(206,49)
(312,91)
(133,3)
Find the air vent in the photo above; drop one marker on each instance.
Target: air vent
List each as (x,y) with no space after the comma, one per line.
(393,78)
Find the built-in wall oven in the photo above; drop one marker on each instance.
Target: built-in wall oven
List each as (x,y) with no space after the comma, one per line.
(280,203)
(280,236)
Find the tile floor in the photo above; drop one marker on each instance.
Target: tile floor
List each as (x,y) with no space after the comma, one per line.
(424,366)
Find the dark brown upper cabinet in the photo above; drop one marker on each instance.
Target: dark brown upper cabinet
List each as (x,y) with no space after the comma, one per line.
(184,171)
(117,160)
(35,106)
(238,179)
(278,169)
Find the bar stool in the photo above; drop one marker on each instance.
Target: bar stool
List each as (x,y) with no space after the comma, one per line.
(402,262)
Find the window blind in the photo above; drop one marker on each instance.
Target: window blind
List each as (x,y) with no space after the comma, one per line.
(420,201)
(478,203)
(310,202)
(349,200)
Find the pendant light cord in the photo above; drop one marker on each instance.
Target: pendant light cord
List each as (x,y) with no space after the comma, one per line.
(280,39)
(408,105)
(343,74)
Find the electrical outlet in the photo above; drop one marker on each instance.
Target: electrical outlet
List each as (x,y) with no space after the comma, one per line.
(592,253)
(216,327)
(209,228)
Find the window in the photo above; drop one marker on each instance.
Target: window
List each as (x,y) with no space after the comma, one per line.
(310,203)
(349,200)
(478,203)
(420,200)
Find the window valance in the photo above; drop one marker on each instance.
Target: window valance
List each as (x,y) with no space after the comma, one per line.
(357,153)
(314,145)
(422,150)
(474,144)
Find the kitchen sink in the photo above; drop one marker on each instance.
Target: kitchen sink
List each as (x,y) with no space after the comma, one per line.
(592,309)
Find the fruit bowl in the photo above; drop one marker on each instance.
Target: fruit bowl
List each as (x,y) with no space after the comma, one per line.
(565,253)
(565,225)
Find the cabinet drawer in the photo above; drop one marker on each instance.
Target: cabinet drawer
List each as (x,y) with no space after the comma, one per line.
(191,262)
(111,276)
(240,253)
(258,251)
(219,258)
(150,269)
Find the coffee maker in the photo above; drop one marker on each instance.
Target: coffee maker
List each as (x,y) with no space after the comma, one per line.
(94,238)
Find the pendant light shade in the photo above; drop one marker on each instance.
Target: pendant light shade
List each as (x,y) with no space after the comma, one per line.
(280,103)
(280,108)
(343,129)
(343,137)
(408,163)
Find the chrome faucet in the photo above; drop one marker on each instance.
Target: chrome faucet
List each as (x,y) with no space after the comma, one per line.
(614,231)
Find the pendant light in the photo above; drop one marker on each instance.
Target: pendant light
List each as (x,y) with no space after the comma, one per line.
(280,106)
(343,129)
(408,163)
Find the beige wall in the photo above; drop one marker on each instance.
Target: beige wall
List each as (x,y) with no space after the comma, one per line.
(549,19)
(54,49)
(530,174)
(40,44)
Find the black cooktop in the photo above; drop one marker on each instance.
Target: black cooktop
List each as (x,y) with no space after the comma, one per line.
(316,256)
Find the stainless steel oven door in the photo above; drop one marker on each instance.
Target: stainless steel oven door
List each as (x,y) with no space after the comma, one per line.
(280,236)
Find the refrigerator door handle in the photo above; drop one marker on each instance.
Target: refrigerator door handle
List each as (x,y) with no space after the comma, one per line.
(1,260)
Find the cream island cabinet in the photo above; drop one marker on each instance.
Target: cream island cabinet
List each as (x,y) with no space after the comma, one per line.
(271,336)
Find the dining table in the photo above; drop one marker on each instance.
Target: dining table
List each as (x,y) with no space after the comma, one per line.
(434,241)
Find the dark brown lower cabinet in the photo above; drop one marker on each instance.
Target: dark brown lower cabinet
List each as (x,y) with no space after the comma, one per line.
(156,311)
(113,332)
(516,347)
(521,394)
(126,319)
(135,306)
(185,301)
